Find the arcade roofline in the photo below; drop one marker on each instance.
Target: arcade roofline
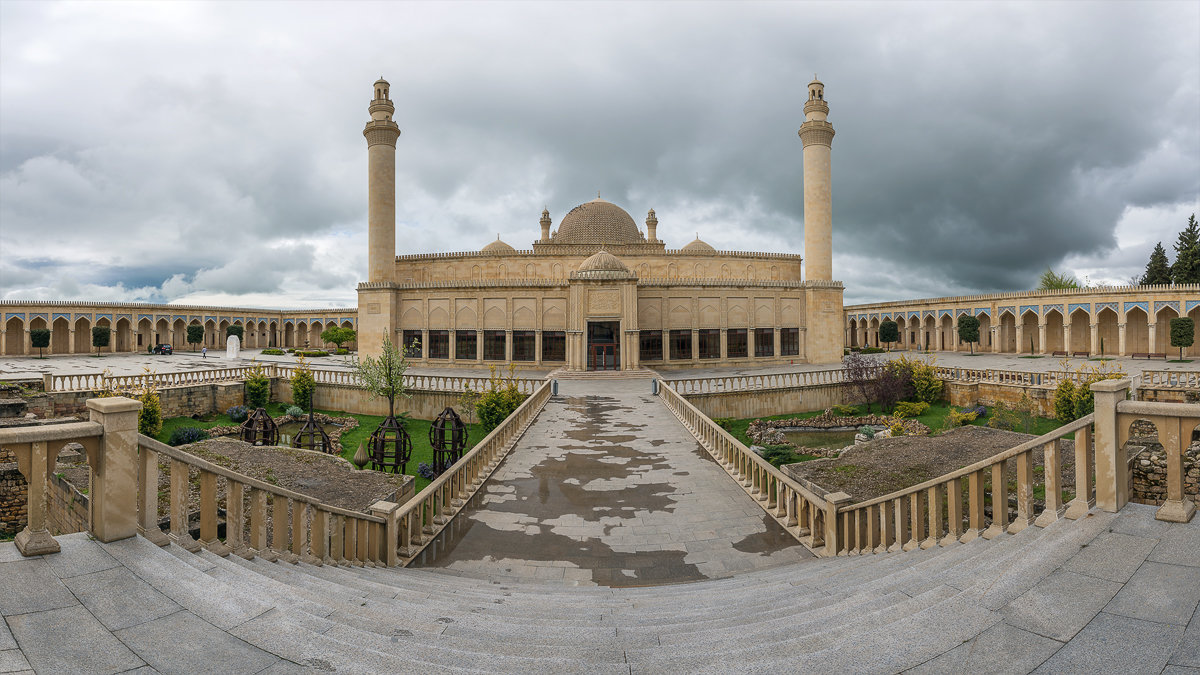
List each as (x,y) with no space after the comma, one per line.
(1094,290)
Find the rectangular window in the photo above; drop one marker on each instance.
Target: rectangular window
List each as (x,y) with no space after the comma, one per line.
(412,343)
(466,345)
(650,342)
(493,345)
(764,342)
(554,345)
(737,343)
(789,342)
(710,343)
(681,344)
(439,344)
(524,345)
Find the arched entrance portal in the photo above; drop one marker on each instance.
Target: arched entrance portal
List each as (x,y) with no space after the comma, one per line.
(603,345)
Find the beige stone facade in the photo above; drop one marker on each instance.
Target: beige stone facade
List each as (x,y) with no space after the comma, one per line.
(136,327)
(598,293)
(1102,321)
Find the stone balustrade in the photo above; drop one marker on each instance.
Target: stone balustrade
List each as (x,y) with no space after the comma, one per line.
(1171,379)
(422,518)
(800,511)
(727,383)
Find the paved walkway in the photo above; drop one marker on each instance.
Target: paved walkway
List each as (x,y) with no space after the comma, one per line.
(608,488)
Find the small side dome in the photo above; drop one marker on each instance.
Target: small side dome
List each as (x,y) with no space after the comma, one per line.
(603,261)
(498,247)
(698,246)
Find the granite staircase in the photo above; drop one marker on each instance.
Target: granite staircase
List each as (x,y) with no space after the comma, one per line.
(1062,598)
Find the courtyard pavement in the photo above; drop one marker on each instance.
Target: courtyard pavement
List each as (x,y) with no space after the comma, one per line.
(608,488)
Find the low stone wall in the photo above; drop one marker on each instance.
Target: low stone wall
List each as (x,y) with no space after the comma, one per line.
(1168,395)
(67,510)
(424,405)
(964,394)
(1148,474)
(176,401)
(764,402)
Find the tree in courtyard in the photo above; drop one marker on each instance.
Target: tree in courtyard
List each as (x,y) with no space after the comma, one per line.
(968,330)
(100,337)
(236,329)
(384,375)
(195,335)
(338,335)
(1186,269)
(1183,333)
(860,371)
(1051,281)
(1158,270)
(40,338)
(303,384)
(889,332)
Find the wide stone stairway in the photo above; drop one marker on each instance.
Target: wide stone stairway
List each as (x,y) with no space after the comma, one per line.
(1107,593)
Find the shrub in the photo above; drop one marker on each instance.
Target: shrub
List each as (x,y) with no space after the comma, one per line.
(303,384)
(150,417)
(890,387)
(311,352)
(922,375)
(869,432)
(897,429)
(1017,417)
(724,422)
(238,414)
(185,435)
(499,400)
(959,418)
(980,412)
(273,351)
(425,470)
(1064,401)
(910,409)
(342,351)
(258,388)
(1085,400)
(844,410)
(872,350)
(294,411)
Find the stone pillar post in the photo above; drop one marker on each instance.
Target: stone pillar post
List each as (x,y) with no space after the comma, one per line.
(71,342)
(1153,328)
(1120,339)
(537,347)
(1112,469)
(425,345)
(1094,341)
(1041,337)
(1067,346)
(390,512)
(833,539)
(114,474)
(27,343)
(725,343)
(508,345)
(35,539)
(695,344)
(479,346)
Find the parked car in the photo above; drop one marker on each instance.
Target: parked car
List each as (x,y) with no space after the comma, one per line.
(163,349)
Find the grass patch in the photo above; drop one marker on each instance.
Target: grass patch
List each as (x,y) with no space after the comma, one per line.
(1030,357)
(418,430)
(1180,361)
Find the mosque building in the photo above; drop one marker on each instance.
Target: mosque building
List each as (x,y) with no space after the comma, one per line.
(598,293)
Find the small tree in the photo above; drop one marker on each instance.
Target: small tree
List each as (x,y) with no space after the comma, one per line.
(338,335)
(889,332)
(236,329)
(968,330)
(303,384)
(1183,333)
(100,337)
(258,388)
(40,338)
(860,371)
(195,334)
(1050,280)
(384,375)
(1186,269)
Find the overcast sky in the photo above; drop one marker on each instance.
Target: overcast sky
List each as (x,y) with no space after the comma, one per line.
(213,152)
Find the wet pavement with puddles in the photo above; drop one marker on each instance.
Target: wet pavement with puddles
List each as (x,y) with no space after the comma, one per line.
(608,488)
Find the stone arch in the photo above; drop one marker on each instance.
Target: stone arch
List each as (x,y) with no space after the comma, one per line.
(1137,331)
(476,272)
(1081,331)
(529,271)
(210,333)
(872,333)
(1008,332)
(179,334)
(775,272)
(947,335)
(680,315)
(672,271)
(314,334)
(764,316)
(749,271)
(121,335)
(14,336)
(60,336)
(737,316)
(223,332)
(273,334)
(288,334)
(553,318)
(301,334)
(1162,332)
(556,270)
(986,340)
(643,271)
(352,344)
(725,273)
(501,271)
(1032,338)
(494,318)
(83,335)
(929,340)
(853,340)
(1054,331)
(439,318)
(412,319)
(1107,335)
(145,338)
(465,319)
(34,324)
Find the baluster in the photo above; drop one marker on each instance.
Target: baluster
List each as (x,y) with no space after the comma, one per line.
(279,528)
(364,539)
(258,525)
(1053,476)
(954,515)
(916,517)
(1084,466)
(208,514)
(871,513)
(337,539)
(299,530)
(148,502)
(975,503)
(999,501)
(900,512)
(934,505)
(179,507)
(350,542)
(235,519)
(887,527)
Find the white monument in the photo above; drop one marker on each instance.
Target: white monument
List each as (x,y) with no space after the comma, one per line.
(232,347)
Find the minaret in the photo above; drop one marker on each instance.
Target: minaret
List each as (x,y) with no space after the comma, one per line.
(817,135)
(545,223)
(381,134)
(651,227)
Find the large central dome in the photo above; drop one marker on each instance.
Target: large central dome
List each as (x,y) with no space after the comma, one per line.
(598,222)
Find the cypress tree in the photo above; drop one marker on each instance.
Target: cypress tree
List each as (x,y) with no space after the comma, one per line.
(1158,270)
(1186,269)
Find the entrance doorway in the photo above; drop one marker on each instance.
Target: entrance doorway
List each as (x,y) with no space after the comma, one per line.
(603,345)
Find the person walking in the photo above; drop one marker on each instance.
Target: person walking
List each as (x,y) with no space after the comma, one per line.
(204,352)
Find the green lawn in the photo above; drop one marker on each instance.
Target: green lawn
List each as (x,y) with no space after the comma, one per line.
(418,430)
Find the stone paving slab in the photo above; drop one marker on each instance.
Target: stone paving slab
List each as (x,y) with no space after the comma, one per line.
(70,640)
(1002,649)
(208,649)
(607,487)
(1112,556)
(1060,605)
(1116,644)
(119,599)
(1161,593)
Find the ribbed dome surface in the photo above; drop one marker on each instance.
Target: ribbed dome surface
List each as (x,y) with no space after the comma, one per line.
(598,222)
(603,261)
(498,247)
(698,246)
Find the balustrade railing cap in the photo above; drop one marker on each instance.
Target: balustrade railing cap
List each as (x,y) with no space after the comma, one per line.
(113,404)
(838,498)
(1111,385)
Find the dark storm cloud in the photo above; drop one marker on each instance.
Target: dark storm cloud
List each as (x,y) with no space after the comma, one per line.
(977,143)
